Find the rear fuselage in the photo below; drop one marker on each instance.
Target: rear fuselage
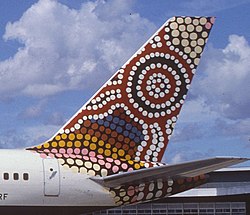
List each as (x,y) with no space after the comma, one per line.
(30,182)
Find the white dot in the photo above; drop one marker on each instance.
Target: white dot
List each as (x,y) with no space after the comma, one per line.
(132,73)
(152,65)
(159,44)
(150,115)
(153,46)
(157,38)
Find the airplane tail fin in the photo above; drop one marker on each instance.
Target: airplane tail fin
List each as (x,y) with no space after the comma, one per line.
(134,113)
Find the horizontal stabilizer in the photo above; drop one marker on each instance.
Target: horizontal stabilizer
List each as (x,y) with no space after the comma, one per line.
(187,169)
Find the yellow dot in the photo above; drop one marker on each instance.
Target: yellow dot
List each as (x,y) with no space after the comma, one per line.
(114,156)
(121,152)
(131,162)
(64,136)
(61,143)
(100,151)
(141,163)
(69,144)
(137,166)
(107,152)
(86,143)
(108,146)
(54,144)
(94,139)
(114,149)
(39,147)
(58,137)
(79,136)
(87,137)
(101,143)
(92,146)
(71,136)
(78,144)
(46,145)
(127,157)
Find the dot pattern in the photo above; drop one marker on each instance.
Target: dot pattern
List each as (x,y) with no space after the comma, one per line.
(127,124)
(131,194)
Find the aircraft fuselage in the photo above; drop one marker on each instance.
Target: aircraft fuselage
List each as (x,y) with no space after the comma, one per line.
(29,181)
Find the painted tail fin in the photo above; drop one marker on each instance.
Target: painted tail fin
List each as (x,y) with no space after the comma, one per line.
(133,115)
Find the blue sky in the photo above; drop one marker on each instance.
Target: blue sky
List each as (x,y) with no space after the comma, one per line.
(56,54)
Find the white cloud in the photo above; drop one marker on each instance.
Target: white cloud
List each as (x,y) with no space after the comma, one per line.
(211,6)
(225,82)
(178,158)
(30,136)
(33,111)
(55,118)
(218,105)
(63,46)
(184,154)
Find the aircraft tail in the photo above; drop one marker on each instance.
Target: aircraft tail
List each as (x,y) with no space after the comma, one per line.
(133,115)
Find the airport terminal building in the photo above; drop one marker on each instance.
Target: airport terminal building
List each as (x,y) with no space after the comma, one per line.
(228,193)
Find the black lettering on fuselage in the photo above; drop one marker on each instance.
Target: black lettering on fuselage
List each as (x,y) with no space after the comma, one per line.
(3,196)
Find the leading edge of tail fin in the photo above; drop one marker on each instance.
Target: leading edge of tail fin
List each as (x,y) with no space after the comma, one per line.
(133,115)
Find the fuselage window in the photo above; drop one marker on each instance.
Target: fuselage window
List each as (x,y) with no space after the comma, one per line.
(15,176)
(6,176)
(25,176)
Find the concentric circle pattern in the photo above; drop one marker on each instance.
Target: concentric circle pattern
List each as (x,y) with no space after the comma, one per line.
(128,123)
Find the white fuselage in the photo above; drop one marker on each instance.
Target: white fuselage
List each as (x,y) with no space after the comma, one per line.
(26,179)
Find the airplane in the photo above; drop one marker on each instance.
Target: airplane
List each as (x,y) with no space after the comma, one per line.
(109,153)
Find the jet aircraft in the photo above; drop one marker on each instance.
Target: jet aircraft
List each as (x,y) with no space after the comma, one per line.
(109,153)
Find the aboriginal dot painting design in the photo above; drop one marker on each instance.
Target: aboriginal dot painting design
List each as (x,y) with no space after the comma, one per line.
(128,123)
(131,194)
